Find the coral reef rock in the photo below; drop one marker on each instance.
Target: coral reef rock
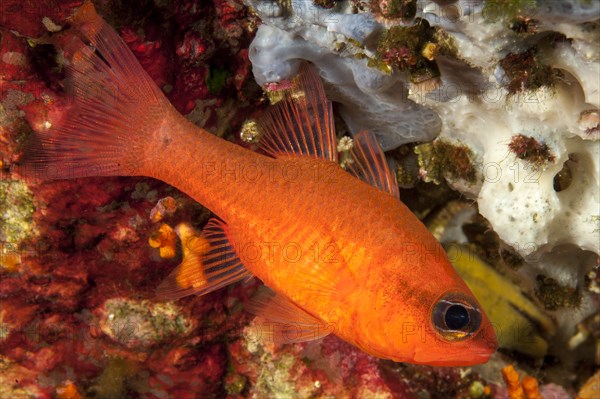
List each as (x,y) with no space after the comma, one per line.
(515,83)
(340,44)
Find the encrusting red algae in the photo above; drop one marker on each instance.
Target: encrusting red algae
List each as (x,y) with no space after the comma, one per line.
(387,287)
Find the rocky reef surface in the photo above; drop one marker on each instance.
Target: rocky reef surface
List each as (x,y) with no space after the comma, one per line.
(490,114)
(515,83)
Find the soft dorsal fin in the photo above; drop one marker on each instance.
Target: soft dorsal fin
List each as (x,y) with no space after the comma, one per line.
(302,122)
(369,164)
(286,321)
(209,263)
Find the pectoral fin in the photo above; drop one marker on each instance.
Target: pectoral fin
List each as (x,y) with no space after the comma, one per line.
(209,263)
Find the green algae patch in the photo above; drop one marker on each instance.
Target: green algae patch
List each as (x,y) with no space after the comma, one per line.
(411,49)
(143,324)
(444,160)
(404,177)
(403,9)
(524,25)
(555,296)
(477,390)
(235,383)
(115,379)
(274,379)
(506,10)
(143,191)
(12,385)
(527,72)
(446,43)
(16,211)
(327,4)
(279,374)
(216,79)
(531,150)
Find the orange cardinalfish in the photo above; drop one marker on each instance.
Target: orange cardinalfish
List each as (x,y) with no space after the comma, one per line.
(338,251)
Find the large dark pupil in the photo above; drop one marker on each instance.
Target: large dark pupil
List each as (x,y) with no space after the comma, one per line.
(456,317)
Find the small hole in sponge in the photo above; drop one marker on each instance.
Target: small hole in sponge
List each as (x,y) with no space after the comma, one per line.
(563,179)
(510,187)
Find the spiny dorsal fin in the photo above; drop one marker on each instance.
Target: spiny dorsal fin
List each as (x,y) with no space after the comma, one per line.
(209,263)
(302,122)
(369,164)
(286,322)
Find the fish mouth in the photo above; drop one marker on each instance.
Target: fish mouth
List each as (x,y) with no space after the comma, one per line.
(484,349)
(456,357)
(490,342)
(470,359)
(483,355)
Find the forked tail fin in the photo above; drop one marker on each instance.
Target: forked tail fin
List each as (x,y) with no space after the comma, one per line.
(116,110)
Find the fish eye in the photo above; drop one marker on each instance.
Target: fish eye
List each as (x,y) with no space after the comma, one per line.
(456,317)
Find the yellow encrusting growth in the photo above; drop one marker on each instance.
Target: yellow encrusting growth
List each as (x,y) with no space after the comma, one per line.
(9,260)
(527,388)
(164,239)
(191,273)
(68,391)
(165,206)
(591,388)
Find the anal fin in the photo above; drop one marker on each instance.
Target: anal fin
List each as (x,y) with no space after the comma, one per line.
(285,322)
(209,263)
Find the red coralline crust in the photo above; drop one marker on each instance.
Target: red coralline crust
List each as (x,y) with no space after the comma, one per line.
(242,70)
(435,382)
(194,47)
(25,16)
(92,246)
(355,366)
(25,380)
(150,52)
(14,71)
(14,61)
(192,83)
(327,368)
(189,371)
(188,39)
(26,99)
